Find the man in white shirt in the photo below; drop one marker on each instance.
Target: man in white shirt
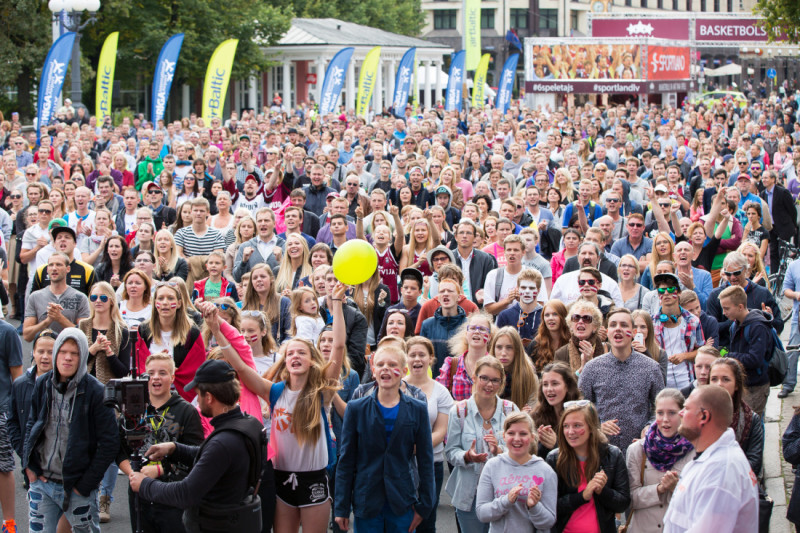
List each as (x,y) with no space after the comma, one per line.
(718,490)
(566,287)
(82,219)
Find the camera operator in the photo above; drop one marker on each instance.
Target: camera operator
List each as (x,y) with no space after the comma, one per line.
(225,471)
(173,420)
(71,439)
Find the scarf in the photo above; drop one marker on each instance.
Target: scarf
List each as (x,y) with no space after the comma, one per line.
(575,354)
(99,361)
(663,452)
(742,422)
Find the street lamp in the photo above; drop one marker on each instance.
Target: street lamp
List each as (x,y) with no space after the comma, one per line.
(69,14)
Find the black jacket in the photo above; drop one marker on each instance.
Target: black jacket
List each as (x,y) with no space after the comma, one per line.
(164,217)
(356,325)
(614,498)
(784,212)
(753,445)
(93,437)
(181,270)
(310,223)
(756,295)
(753,348)
(21,391)
(219,475)
(316,198)
(479,267)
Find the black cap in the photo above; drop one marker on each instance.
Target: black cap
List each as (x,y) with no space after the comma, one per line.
(291,130)
(670,279)
(412,273)
(63,229)
(212,371)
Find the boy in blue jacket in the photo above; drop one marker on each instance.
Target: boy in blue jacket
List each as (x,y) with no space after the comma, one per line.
(373,477)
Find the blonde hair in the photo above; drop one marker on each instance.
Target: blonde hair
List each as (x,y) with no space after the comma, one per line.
(458,342)
(116,317)
(253,302)
(758,267)
(286,274)
(173,257)
(267,342)
(491,362)
(181,324)
(522,417)
(297,305)
(164,357)
(524,383)
(307,418)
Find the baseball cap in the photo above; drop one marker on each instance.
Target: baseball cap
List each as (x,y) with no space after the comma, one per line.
(212,371)
(661,188)
(727,158)
(412,273)
(416,169)
(56,230)
(743,176)
(442,190)
(153,185)
(332,194)
(252,177)
(669,278)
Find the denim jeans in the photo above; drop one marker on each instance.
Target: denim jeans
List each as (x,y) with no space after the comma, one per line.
(386,521)
(109,481)
(790,381)
(468,521)
(428,525)
(45,502)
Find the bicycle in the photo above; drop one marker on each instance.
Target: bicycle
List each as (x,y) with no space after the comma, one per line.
(788,252)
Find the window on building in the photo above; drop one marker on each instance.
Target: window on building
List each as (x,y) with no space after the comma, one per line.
(487,19)
(660,4)
(573,19)
(444,19)
(702,5)
(548,19)
(674,5)
(730,6)
(688,5)
(644,3)
(519,19)
(716,6)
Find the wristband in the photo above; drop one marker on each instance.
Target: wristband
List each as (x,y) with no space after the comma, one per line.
(221,347)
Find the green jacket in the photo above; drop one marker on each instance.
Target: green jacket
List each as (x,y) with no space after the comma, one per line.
(143,176)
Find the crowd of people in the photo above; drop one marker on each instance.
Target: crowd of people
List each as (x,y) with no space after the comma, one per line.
(572,314)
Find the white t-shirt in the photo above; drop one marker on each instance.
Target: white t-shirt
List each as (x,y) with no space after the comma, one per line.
(135,318)
(29,239)
(166,346)
(290,456)
(509,283)
(566,289)
(677,375)
(88,220)
(251,205)
(440,401)
(264,362)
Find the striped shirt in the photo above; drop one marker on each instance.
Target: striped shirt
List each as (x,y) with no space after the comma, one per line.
(194,244)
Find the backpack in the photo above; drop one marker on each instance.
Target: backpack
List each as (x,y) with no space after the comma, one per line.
(777,361)
(256,446)
(275,392)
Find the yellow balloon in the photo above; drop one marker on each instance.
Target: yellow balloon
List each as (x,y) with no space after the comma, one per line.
(355,262)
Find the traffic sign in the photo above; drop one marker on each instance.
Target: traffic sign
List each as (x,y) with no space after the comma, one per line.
(772,73)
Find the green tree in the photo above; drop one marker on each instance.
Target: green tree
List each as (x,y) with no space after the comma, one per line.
(780,17)
(145,25)
(25,38)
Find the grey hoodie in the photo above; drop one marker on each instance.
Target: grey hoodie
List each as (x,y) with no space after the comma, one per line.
(449,194)
(53,446)
(499,476)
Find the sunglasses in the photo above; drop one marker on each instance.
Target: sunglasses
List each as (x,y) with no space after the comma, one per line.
(576,403)
(670,290)
(45,211)
(612,200)
(734,273)
(223,307)
(94,297)
(635,225)
(16,196)
(586,319)
(590,282)
(173,284)
(30,173)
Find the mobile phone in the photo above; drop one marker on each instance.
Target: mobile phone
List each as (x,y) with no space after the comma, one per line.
(639,337)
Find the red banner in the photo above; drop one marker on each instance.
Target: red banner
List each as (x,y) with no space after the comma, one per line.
(668,62)
(662,28)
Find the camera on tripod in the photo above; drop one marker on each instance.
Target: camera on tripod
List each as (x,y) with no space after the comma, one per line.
(128,395)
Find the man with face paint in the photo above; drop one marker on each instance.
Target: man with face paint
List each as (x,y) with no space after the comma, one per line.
(677,331)
(623,383)
(525,314)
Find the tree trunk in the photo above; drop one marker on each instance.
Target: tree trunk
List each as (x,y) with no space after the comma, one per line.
(24,95)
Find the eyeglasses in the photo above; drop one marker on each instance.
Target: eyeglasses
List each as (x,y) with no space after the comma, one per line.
(670,290)
(590,282)
(494,382)
(94,297)
(143,260)
(729,274)
(586,319)
(440,258)
(576,403)
(482,329)
(45,211)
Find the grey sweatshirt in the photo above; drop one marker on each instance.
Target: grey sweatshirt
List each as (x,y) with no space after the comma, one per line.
(53,446)
(499,476)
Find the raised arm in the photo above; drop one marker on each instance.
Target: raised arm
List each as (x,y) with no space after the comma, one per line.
(399,236)
(247,374)
(339,332)
(716,208)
